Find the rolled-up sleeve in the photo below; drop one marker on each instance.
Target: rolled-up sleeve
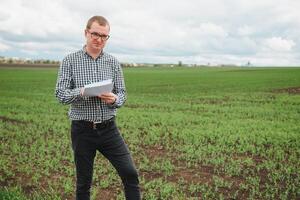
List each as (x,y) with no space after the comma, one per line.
(65,91)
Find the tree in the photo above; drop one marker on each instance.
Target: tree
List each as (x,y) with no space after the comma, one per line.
(180,63)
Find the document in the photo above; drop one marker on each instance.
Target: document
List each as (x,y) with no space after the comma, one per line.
(98,88)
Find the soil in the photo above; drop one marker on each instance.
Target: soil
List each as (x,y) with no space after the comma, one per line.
(290,90)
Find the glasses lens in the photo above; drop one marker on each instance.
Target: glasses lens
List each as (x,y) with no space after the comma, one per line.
(105,37)
(96,36)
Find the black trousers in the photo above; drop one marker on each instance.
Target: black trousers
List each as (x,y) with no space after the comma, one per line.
(106,138)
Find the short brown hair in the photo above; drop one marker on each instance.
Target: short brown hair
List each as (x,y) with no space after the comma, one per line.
(99,19)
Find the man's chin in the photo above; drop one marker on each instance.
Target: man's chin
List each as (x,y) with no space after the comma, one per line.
(97,47)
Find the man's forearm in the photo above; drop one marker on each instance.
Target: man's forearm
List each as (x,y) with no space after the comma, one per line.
(68,96)
(121,98)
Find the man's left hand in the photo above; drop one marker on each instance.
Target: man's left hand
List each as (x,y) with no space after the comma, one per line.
(109,98)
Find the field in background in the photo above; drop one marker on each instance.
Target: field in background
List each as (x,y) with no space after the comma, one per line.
(195,133)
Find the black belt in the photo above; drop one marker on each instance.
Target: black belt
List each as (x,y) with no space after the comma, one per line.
(98,125)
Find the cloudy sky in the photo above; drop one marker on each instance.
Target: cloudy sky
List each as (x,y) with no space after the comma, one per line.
(264,32)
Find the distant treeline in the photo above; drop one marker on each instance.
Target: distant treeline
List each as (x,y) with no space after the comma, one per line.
(40,65)
(49,65)
(124,65)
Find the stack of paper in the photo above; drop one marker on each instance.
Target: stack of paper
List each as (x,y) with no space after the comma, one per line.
(98,88)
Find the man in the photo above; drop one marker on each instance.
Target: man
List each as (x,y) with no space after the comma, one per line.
(93,118)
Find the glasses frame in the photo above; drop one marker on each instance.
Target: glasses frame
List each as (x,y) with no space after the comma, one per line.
(96,36)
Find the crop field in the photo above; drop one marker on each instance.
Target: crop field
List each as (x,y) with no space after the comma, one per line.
(194,133)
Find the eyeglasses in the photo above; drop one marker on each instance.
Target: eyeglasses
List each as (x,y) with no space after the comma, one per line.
(96,36)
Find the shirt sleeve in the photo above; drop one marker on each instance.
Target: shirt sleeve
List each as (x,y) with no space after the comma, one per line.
(119,86)
(65,91)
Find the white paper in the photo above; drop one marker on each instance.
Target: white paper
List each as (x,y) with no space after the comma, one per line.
(98,88)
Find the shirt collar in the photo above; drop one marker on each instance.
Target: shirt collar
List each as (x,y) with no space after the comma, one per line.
(85,52)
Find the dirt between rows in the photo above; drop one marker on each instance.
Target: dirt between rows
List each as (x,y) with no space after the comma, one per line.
(196,174)
(290,90)
(200,174)
(11,120)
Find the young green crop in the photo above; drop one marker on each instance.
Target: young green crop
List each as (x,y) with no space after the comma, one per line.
(196,133)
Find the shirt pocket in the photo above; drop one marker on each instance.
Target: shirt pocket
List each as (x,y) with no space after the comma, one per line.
(82,77)
(107,74)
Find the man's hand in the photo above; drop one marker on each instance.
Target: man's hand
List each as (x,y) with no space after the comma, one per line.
(109,98)
(81,91)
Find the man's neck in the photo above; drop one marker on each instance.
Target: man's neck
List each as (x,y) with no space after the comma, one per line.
(93,53)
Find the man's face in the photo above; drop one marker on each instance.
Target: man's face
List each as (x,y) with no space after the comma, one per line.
(96,36)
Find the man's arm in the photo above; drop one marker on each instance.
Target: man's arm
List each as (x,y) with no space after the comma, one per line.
(65,91)
(118,96)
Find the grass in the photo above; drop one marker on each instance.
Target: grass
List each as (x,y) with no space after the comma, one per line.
(195,133)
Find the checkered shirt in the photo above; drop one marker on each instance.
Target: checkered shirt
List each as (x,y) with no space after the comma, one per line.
(78,69)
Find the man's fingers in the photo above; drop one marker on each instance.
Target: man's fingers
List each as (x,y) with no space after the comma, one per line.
(105,95)
(108,98)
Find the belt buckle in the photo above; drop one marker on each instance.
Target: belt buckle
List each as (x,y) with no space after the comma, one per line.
(94,125)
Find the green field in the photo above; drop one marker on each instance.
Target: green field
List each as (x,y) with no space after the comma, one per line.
(195,133)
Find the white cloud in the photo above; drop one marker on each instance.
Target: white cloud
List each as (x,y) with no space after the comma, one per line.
(279,44)
(245,30)
(211,29)
(158,31)
(38,19)
(4,47)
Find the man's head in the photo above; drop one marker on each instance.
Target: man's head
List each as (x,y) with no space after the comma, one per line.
(97,33)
